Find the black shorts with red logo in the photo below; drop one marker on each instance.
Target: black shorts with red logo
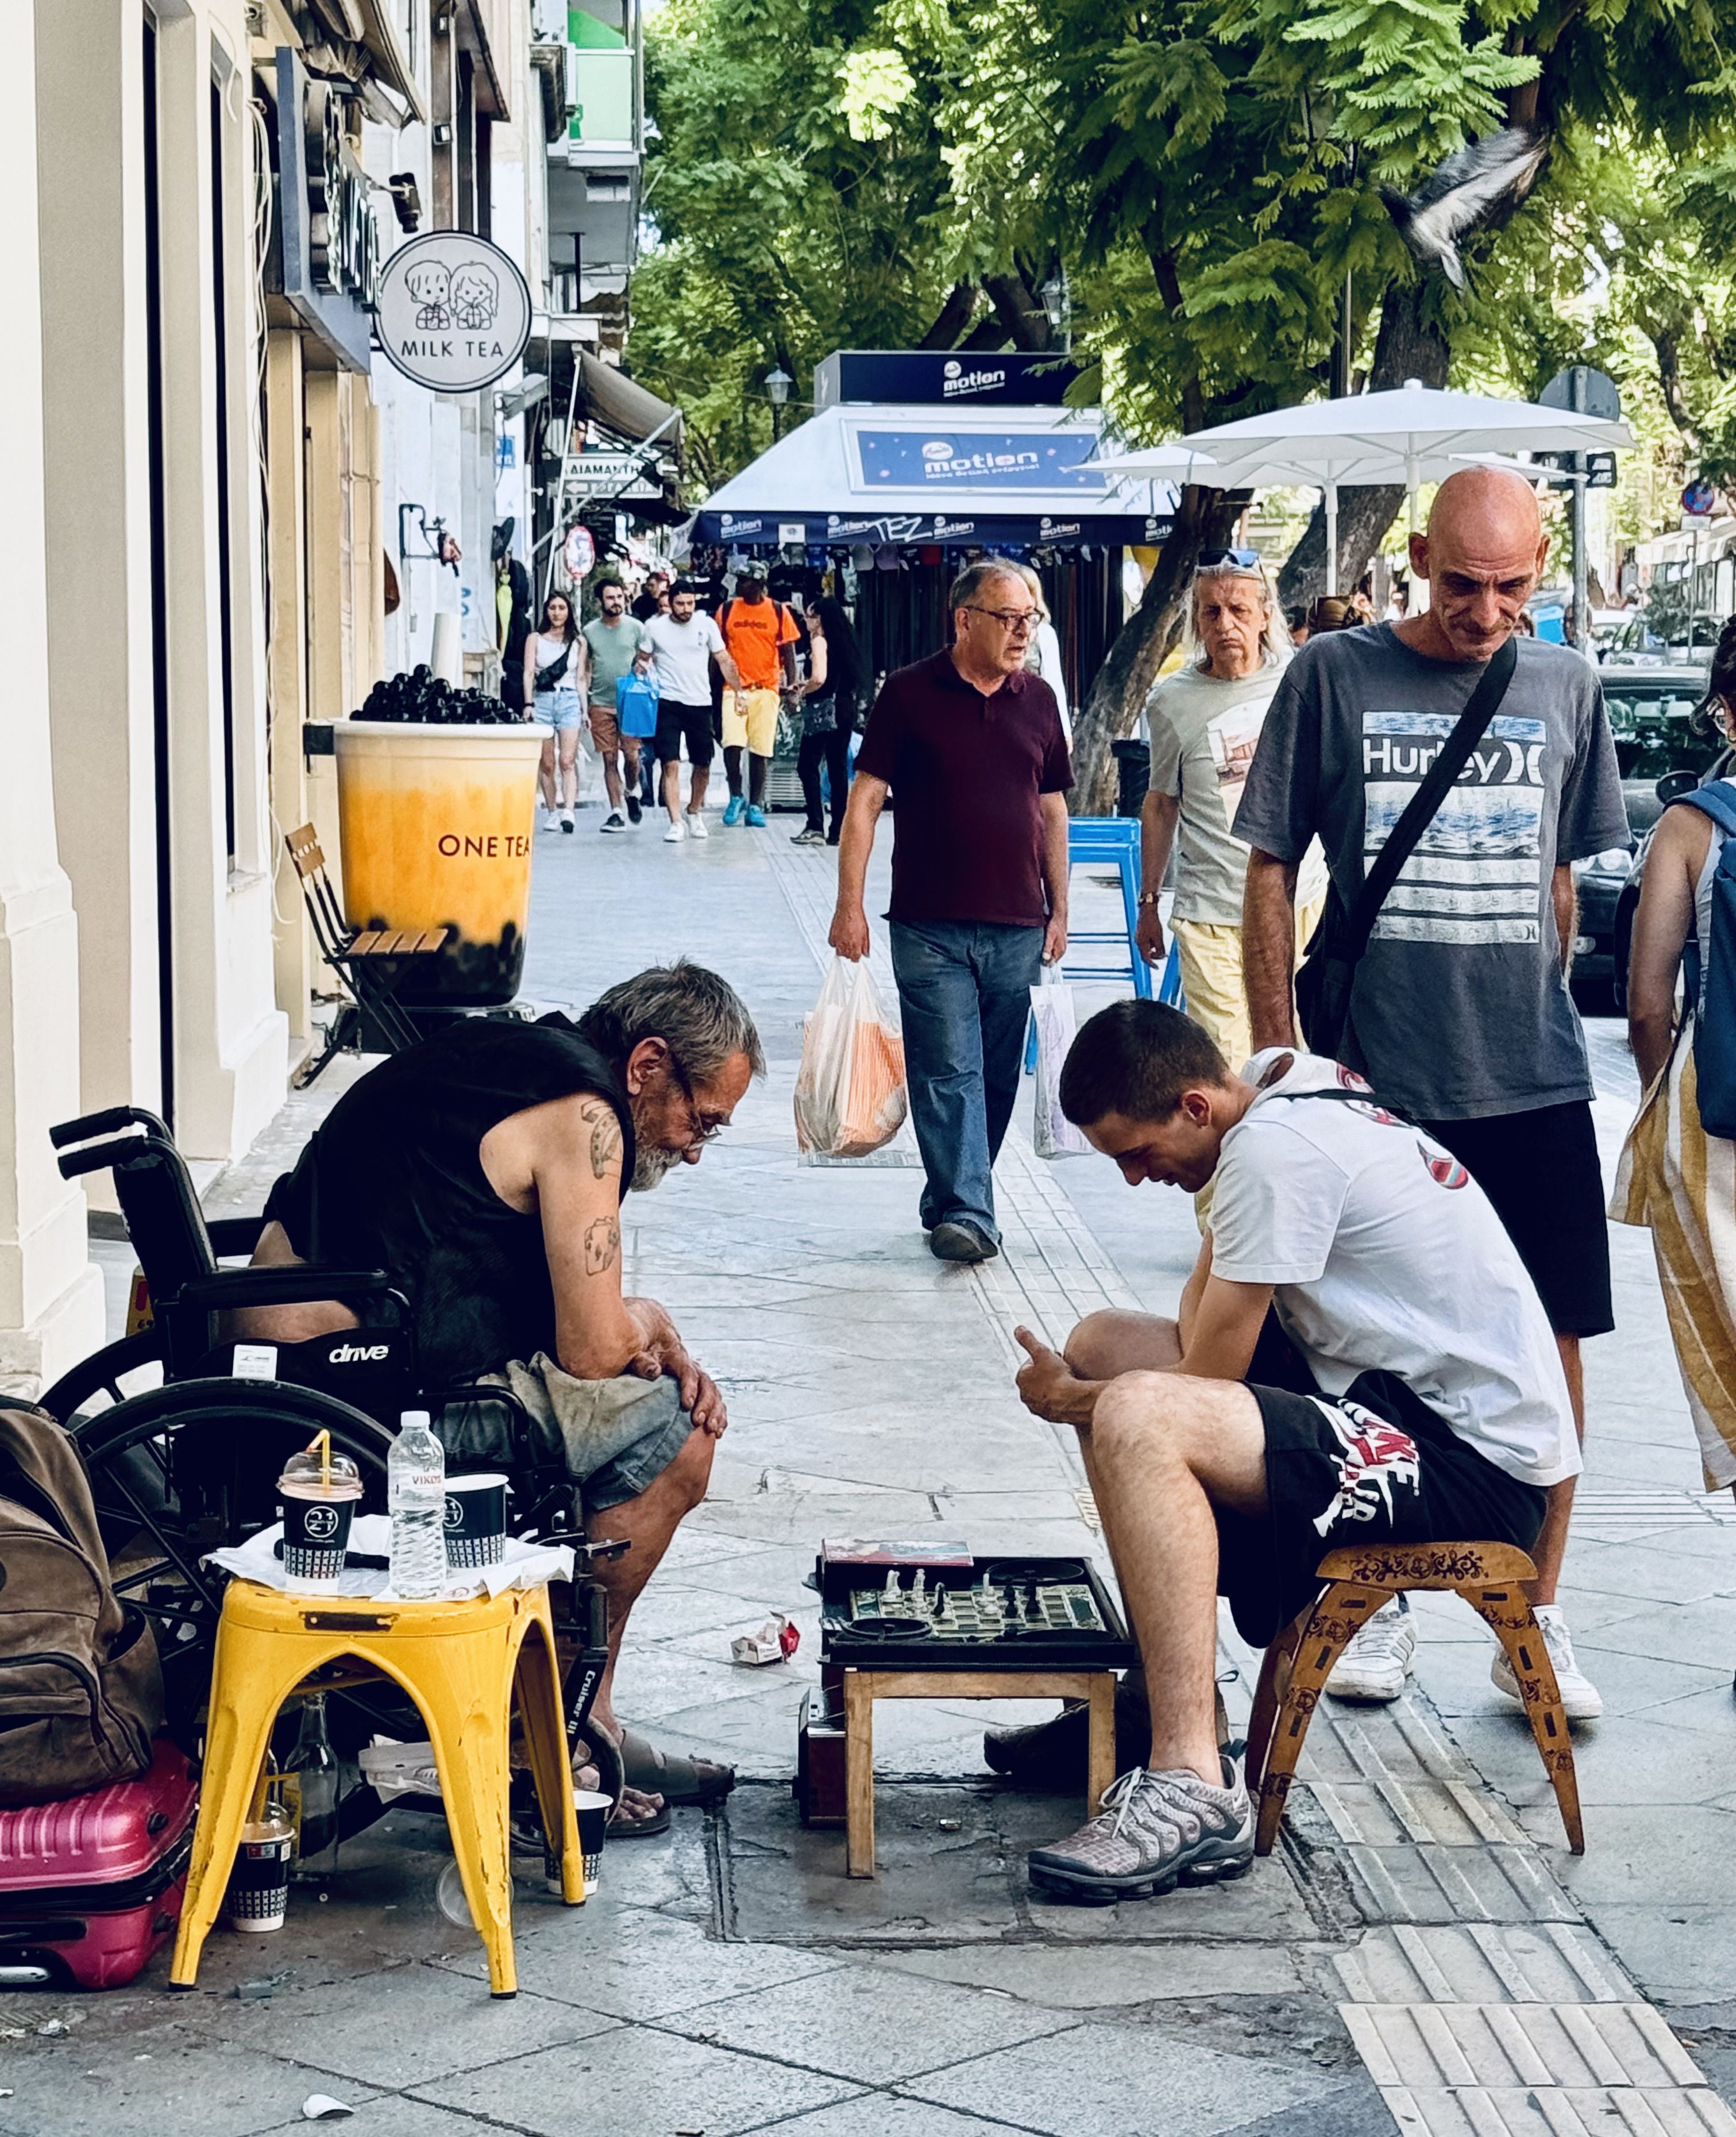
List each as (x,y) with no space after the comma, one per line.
(1373,1465)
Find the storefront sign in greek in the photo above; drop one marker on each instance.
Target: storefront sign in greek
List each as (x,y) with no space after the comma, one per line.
(325,258)
(454,312)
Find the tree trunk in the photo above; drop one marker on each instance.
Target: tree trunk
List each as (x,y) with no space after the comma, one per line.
(1204,519)
(1019,312)
(1409,345)
(952,319)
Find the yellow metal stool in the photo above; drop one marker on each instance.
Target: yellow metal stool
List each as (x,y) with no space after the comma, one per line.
(459,1663)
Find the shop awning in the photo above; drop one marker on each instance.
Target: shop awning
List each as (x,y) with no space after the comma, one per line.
(624,406)
(378,29)
(905,476)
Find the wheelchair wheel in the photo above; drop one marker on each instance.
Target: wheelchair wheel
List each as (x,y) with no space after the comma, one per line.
(191,1468)
(107,1378)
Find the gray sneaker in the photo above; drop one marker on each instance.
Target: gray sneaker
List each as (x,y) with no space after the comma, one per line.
(1155,1831)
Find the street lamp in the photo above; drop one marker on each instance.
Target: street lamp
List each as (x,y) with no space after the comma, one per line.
(1057,301)
(778,384)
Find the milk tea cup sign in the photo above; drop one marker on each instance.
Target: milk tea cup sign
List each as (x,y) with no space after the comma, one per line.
(454,312)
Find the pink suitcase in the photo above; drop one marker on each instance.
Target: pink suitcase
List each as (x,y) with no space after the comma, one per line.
(91,1888)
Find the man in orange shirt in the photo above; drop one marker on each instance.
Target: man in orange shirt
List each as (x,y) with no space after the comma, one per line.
(760,636)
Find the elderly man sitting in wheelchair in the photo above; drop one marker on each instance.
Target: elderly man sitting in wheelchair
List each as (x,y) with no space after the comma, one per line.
(485,1170)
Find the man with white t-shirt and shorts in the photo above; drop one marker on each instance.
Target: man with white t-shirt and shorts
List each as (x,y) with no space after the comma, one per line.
(1358,1356)
(683,644)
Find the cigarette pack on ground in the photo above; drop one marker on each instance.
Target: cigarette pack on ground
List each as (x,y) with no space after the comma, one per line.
(774,1642)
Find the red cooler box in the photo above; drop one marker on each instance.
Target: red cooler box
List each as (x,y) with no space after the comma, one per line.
(91,1888)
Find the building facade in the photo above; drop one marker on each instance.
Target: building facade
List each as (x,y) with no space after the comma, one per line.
(220,501)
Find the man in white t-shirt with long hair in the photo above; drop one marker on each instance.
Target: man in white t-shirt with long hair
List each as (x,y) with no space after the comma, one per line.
(1360,1356)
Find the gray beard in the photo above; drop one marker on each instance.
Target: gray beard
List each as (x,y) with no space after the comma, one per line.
(651,1167)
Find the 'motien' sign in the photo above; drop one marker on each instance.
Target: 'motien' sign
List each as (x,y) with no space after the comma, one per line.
(454,312)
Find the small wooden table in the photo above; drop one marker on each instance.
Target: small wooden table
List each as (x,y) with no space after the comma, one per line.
(861,1687)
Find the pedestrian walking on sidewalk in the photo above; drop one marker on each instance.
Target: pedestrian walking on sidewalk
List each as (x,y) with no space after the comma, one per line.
(554,673)
(683,646)
(831,692)
(1675,1177)
(1459,1014)
(761,636)
(1203,721)
(970,744)
(612,639)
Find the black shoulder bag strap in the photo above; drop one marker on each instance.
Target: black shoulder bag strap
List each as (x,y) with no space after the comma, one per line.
(1324,982)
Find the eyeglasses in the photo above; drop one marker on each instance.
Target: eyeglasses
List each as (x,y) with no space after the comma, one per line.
(1010,620)
(703,1127)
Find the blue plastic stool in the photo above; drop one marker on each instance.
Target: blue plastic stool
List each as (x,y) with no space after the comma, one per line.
(1114,840)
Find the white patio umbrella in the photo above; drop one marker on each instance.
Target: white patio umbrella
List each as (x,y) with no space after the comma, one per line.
(1413,435)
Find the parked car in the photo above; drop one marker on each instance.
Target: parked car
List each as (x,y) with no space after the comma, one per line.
(1649,709)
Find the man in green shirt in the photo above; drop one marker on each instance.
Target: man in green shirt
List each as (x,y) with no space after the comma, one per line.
(614,637)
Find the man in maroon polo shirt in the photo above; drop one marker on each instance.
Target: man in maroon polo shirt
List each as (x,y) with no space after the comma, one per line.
(972,743)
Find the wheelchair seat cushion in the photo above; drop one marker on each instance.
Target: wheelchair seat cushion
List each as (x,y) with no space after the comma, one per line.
(613,1437)
(392,1178)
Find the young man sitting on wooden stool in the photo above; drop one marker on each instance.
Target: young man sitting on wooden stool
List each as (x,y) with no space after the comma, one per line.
(1359,1357)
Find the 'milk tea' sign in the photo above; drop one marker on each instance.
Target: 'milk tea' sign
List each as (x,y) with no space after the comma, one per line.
(454,312)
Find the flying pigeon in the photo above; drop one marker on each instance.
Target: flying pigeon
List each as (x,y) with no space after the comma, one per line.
(1461,193)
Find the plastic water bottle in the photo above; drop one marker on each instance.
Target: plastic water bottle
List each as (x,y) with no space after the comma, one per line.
(415,1496)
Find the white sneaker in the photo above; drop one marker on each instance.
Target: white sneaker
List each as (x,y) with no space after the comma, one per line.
(551,819)
(674,835)
(696,824)
(1374,1666)
(1580,1698)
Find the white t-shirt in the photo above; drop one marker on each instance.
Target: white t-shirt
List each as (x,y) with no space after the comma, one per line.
(1385,1255)
(682,657)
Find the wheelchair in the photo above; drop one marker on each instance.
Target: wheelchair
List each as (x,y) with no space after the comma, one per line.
(184,1431)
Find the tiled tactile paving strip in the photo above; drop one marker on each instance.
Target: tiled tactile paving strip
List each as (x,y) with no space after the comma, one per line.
(1619,1513)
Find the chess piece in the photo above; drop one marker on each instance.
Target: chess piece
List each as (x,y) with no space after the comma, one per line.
(917,1593)
(892,1587)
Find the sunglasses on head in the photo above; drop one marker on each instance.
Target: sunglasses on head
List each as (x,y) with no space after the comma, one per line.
(1210,559)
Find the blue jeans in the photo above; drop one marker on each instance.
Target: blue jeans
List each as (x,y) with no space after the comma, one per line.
(964,990)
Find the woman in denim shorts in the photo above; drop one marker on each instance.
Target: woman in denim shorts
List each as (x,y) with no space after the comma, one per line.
(554,662)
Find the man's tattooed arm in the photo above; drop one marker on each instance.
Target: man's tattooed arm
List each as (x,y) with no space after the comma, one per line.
(602,1245)
(606,1137)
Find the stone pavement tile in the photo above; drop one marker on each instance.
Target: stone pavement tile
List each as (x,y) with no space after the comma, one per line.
(1355,2109)
(632,1964)
(787,1881)
(1619,1759)
(861,2022)
(668,1679)
(1708,2032)
(666,1612)
(1702,1632)
(1670,1463)
(1119,2079)
(1088,1979)
(692,1547)
(877,2114)
(1648,1571)
(176,2082)
(1456,1678)
(668,1872)
(389,2116)
(1687,1859)
(441,2019)
(635,2082)
(796,1517)
(1678,1951)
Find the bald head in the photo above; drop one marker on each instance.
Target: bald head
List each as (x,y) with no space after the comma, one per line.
(1483,556)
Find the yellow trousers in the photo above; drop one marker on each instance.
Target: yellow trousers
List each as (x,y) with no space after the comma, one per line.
(1210,955)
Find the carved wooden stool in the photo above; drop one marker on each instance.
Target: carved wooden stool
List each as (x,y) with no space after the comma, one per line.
(1298,1663)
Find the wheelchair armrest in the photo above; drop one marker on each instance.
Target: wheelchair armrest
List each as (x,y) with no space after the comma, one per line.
(301,1284)
(234,1235)
(100,1156)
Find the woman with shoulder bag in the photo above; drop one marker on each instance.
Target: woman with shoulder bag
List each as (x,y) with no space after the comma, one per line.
(1677,1177)
(830,693)
(555,658)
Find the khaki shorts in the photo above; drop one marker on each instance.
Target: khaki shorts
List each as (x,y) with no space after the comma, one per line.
(606,731)
(750,717)
(613,1437)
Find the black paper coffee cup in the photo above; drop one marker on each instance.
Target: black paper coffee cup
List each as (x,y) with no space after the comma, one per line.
(316,1534)
(475,1520)
(259,1884)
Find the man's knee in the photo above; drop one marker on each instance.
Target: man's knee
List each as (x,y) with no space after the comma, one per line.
(689,1476)
(1110,1342)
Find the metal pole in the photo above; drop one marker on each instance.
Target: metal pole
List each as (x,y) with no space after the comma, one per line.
(1346,318)
(1331,538)
(1581,605)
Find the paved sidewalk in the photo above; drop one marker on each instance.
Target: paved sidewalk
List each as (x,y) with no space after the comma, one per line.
(1420,1954)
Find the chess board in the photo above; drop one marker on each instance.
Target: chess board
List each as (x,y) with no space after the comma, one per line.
(998,1613)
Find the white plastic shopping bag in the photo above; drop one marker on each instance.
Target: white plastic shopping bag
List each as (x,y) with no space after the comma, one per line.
(850,1098)
(1053,1134)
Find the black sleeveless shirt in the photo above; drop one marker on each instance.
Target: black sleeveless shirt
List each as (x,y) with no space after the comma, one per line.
(393,1180)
